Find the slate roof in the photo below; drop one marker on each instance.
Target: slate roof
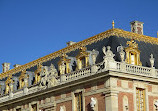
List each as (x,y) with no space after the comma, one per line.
(112,38)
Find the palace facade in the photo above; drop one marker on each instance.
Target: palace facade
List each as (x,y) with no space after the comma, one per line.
(115,70)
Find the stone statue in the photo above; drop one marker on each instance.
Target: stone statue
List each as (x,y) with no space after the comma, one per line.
(48,78)
(108,58)
(152,60)
(93,103)
(156,104)
(62,68)
(53,70)
(104,50)
(62,108)
(51,81)
(94,56)
(121,52)
(44,75)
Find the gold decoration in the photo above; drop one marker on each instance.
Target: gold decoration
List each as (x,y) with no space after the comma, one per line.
(21,79)
(7,83)
(113,24)
(132,53)
(98,37)
(64,64)
(82,58)
(37,73)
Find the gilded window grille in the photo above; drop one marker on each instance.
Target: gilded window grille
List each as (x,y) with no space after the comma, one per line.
(140,99)
(78,102)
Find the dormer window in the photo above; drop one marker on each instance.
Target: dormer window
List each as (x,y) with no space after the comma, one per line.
(63,64)
(7,83)
(82,58)
(132,53)
(21,79)
(83,62)
(37,73)
(132,58)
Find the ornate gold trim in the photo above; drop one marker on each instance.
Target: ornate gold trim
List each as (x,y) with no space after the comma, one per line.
(132,49)
(98,37)
(21,79)
(82,55)
(37,73)
(7,83)
(63,59)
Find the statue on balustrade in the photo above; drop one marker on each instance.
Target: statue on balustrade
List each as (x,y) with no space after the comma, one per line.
(108,58)
(48,78)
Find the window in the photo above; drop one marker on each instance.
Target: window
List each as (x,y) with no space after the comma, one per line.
(83,62)
(133,59)
(140,99)
(132,53)
(63,64)
(78,102)
(34,107)
(82,58)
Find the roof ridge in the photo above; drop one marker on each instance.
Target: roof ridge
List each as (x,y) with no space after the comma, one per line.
(135,36)
(88,41)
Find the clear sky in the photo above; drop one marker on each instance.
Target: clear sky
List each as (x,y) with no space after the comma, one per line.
(30,29)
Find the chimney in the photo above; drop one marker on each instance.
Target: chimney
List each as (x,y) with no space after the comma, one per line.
(137,27)
(5,66)
(70,43)
(16,65)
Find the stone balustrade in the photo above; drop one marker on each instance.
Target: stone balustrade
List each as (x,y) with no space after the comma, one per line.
(88,71)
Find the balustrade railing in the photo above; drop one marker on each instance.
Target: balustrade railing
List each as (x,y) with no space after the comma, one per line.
(138,69)
(100,67)
(78,74)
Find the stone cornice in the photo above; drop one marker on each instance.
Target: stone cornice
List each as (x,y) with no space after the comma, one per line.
(98,37)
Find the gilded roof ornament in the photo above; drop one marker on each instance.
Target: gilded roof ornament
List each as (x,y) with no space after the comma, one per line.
(113,24)
(23,74)
(39,68)
(9,80)
(132,44)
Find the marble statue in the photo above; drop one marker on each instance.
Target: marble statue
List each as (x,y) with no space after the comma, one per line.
(93,103)
(152,60)
(62,68)
(61,108)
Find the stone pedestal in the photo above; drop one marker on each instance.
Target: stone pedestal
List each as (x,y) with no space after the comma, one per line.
(153,72)
(63,78)
(94,69)
(25,90)
(10,94)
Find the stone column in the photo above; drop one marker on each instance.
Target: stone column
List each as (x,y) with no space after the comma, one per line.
(111,100)
(111,94)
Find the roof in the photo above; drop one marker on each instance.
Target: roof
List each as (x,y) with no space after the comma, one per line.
(112,37)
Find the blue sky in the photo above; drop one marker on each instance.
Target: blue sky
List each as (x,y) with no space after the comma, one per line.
(30,29)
